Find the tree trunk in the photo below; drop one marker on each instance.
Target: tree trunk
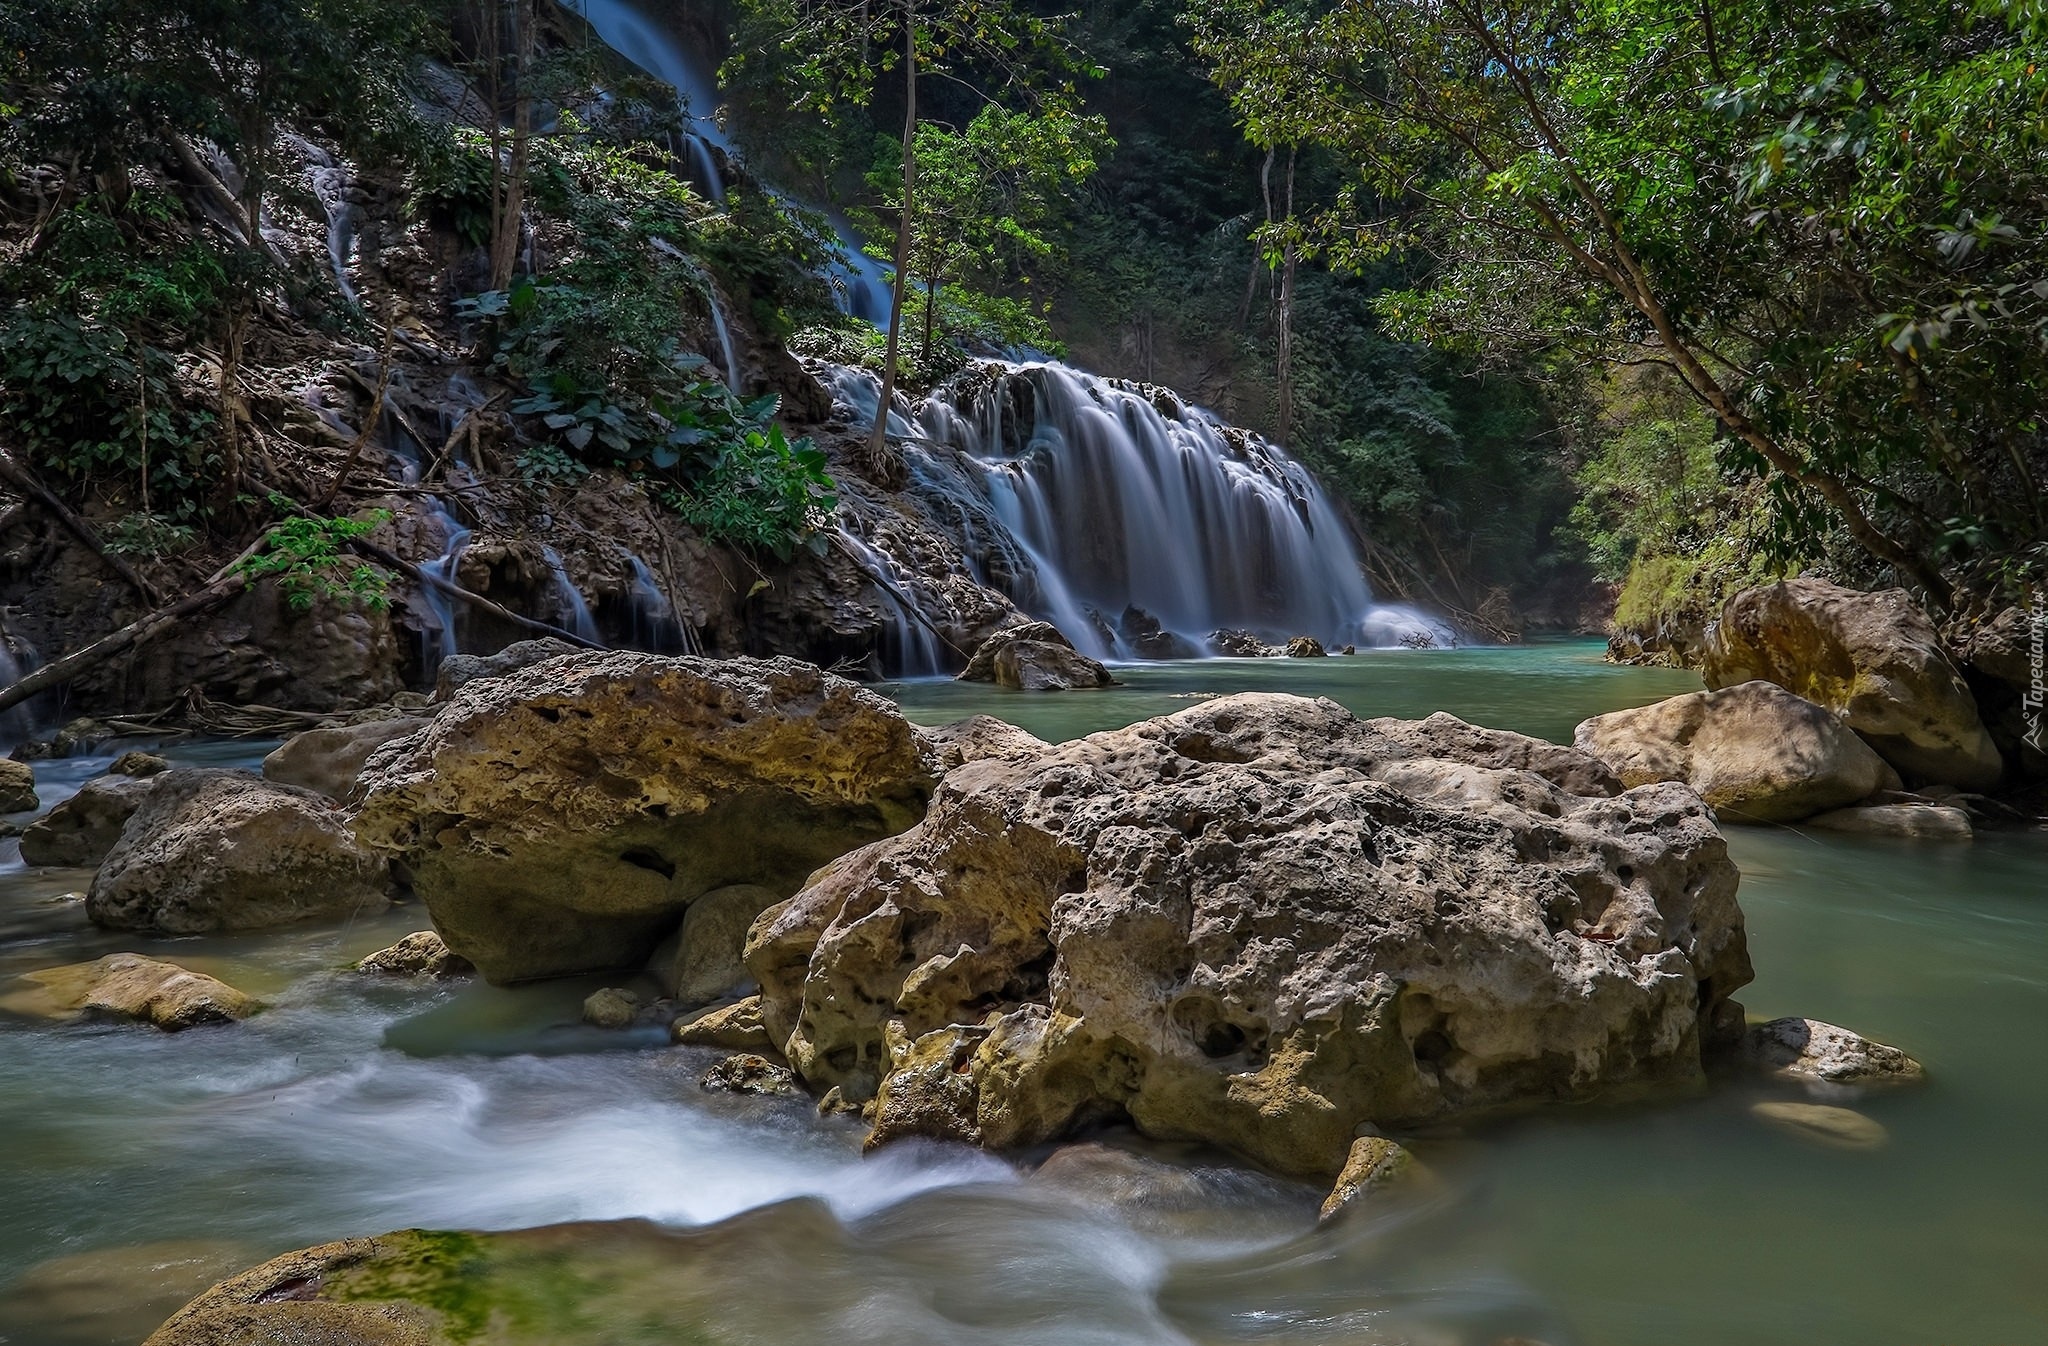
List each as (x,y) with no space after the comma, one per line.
(1284,359)
(506,230)
(883,464)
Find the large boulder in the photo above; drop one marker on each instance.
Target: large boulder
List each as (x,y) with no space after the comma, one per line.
(329,760)
(1034,657)
(1754,751)
(130,986)
(459,670)
(563,817)
(1873,659)
(81,831)
(1260,922)
(215,850)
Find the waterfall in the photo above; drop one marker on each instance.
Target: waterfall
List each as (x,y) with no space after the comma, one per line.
(647,43)
(1129,507)
(576,615)
(909,646)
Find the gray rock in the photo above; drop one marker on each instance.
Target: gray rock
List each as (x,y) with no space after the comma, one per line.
(1926,822)
(563,818)
(1034,657)
(330,760)
(459,670)
(611,1007)
(980,736)
(1809,1050)
(139,763)
(702,961)
(81,831)
(1254,924)
(214,850)
(749,1074)
(1754,751)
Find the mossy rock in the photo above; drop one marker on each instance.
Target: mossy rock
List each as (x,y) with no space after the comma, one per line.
(622,1283)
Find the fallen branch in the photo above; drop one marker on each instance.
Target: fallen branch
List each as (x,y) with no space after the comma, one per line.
(390,558)
(24,481)
(228,581)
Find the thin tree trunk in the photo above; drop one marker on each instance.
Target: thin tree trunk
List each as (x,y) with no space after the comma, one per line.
(21,479)
(882,464)
(512,207)
(1284,360)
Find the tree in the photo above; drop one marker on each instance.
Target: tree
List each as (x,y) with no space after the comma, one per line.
(991,198)
(1828,221)
(834,54)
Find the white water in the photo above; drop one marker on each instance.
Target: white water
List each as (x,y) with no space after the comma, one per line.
(910,649)
(576,614)
(1115,497)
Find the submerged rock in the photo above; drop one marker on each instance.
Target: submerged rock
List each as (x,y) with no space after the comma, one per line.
(1871,658)
(1842,1128)
(1927,822)
(564,817)
(226,850)
(330,760)
(114,1294)
(17,787)
(611,1007)
(130,986)
(1262,923)
(80,831)
(1809,1050)
(1375,1165)
(1034,657)
(1754,751)
(420,954)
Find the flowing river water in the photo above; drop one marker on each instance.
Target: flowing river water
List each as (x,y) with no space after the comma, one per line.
(137,1167)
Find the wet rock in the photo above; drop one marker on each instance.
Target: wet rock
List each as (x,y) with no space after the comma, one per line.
(736,1027)
(1144,636)
(1809,1050)
(702,961)
(1236,644)
(1925,822)
(1842,1128)
(1871,658)
(1034,657)
(749,1074)
(563,818)
(611,1007)
(1754,751)
(1255,923)
(226,850)
(130,986)
(330,760)
(139,763)
(1374,1166)
(1306,647)
(1124,1180)
(80,831)
(420,954)
(459,670)
(17,787)
(76,738)
(980,736)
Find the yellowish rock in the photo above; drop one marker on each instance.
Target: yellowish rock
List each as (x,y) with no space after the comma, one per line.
(130,986)
(1375,1165)
(736,1027)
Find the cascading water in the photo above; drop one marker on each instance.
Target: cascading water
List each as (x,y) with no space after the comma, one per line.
(1121,497)
(576,615)
(909,646)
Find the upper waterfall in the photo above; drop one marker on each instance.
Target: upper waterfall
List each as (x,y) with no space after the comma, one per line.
(1121,513)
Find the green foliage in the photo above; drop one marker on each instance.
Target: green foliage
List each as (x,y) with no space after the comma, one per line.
(757,490)
(1829,220)
(304,555)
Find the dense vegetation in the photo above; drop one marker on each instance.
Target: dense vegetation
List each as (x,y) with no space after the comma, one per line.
(1544,291)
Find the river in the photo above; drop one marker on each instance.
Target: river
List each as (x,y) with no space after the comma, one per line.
(137,1167)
